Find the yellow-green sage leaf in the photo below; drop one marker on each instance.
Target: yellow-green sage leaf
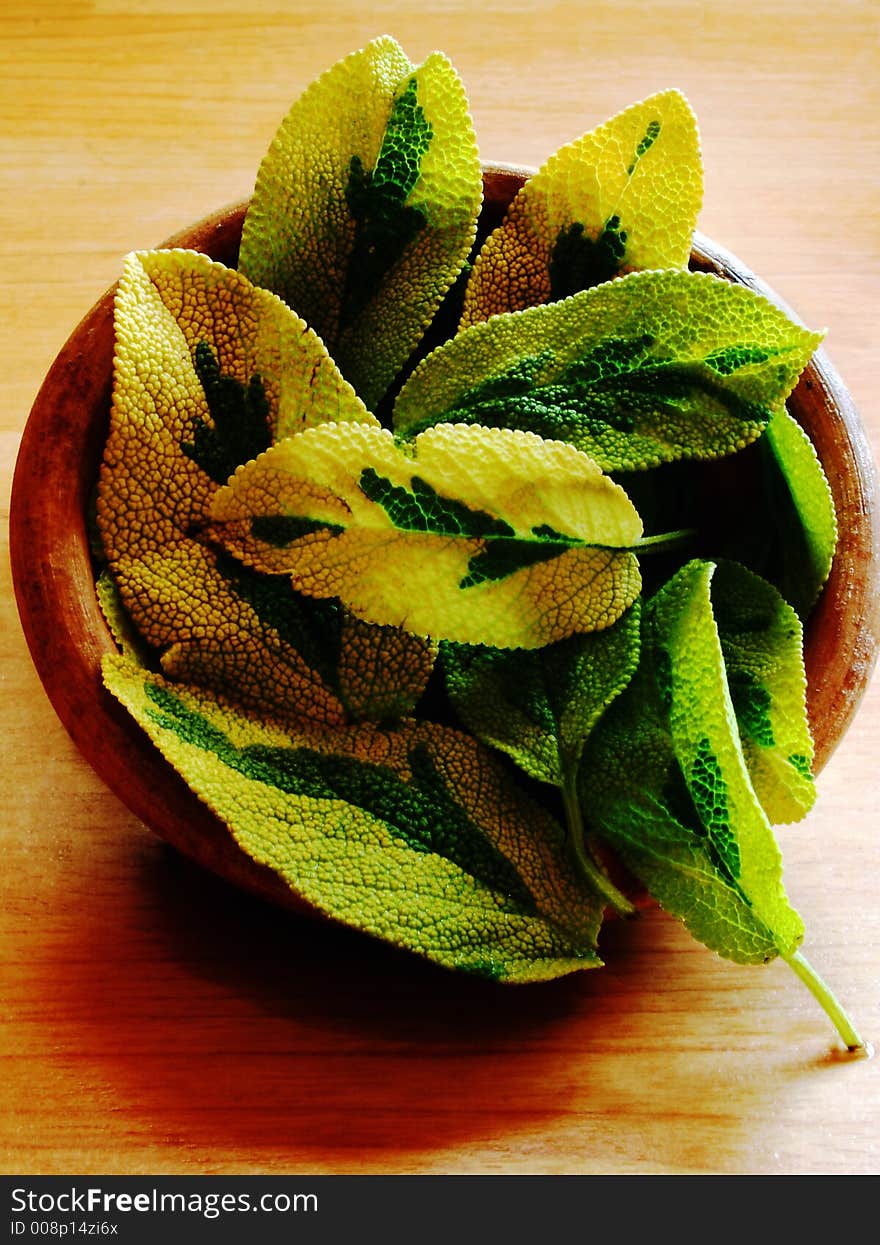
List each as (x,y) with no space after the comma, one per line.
(208,371)
(762,643)
(412,835)
(365,207)
(124,634)
(622,198)
(664,779)
(467,534)
(653,367)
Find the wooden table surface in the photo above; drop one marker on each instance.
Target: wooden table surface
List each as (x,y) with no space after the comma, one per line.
(155,1020)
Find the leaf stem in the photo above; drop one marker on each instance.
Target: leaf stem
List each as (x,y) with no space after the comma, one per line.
(663,541)
(583,857)
(826,999)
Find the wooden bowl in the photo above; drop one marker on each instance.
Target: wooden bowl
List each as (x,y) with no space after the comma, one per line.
(54,579)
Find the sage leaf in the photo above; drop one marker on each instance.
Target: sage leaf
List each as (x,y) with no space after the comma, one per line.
(365,207)
(125,635)
(412,834)
(622,198)
(540,706)
(208,371)
(762,645)
(156,480)
(381,672)
(807,567)
(664,780)
(650,368)
(793,501)
(467,534)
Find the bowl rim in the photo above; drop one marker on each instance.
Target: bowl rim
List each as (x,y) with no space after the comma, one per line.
(48,559)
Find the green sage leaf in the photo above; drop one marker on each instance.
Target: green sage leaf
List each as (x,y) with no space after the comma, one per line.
(540,706)
(808,565)
(762,644)
(664,780)
(412,834)
(793,504)
(653,367)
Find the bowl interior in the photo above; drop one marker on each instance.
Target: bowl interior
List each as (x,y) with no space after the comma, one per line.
(53,572)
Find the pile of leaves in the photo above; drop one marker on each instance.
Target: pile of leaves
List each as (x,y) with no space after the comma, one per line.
(430,618)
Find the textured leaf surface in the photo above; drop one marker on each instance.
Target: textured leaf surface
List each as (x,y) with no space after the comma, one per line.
(651,368)
(621,198)
(365,207)
(209,371)
(118,622)
(381,672)
(762,645)
(471,534)
(664,780)
(539,707)
(156,480)
(411,835)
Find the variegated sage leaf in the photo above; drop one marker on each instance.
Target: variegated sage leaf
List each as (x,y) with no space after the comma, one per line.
(622,198)
(209,371)
(412,834)
(762,644)
(653,367)
(664,780)
(468,534)
(365,207)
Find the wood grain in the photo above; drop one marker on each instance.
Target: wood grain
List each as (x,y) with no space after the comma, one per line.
(157,1020)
